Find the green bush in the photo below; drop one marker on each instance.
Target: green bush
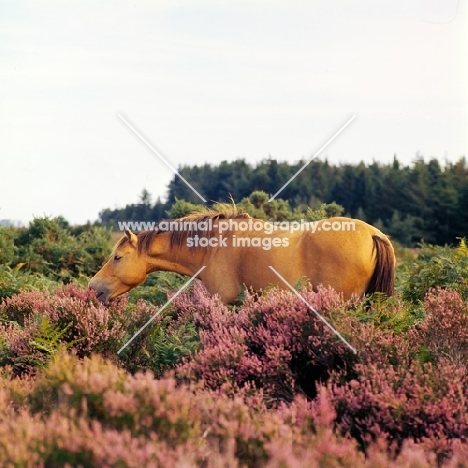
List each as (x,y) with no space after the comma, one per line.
(15,280)
(182,208)
(156,287)
(435,266)
(326,210)
(7,245)
(167,341)
(50,247)
(258,206)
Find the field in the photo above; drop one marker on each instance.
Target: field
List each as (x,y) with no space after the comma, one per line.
(260,384)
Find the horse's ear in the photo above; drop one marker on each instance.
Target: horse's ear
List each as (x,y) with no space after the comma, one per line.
(132,238)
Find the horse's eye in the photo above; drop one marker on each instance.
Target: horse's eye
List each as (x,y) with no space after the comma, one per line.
(117,257)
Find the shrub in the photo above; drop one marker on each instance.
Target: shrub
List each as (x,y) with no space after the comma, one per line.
(90,413)
(164,344)
(15,280)
(274,346)
(37,323)
(325,210)
(49,247)
(258,206)
(7,245)
(274,343)
(93,414)
(181,208)
(444,330)
(157,288)
(423,403)
(434,267)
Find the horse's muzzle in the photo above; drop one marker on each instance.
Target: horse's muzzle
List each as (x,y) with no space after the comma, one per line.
(101,290)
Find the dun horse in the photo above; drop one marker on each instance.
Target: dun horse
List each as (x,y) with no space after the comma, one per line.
(349,255)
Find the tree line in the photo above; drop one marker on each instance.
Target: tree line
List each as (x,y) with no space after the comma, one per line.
(425,200)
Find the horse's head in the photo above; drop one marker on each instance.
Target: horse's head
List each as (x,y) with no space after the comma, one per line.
(125,269)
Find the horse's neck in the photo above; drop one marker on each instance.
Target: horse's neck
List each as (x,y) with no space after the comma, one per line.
(178,258)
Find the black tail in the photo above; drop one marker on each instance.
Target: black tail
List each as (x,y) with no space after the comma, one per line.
(383,278)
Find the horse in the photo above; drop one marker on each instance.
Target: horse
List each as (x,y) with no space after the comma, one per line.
(234,250)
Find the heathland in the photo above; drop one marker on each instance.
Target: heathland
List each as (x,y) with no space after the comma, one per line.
(263,383)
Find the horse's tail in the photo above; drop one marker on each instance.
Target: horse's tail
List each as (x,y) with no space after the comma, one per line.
(383,278)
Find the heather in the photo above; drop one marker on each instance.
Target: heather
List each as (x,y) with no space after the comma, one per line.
(35,325)
(407,386)
(92,413)
(265,384)
(274,343)
(262,384)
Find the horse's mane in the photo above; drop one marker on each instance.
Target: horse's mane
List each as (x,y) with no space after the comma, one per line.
(177,237)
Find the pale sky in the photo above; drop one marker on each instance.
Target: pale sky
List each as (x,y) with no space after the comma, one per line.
(210,80)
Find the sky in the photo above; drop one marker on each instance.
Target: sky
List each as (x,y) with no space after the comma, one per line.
(210,80)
